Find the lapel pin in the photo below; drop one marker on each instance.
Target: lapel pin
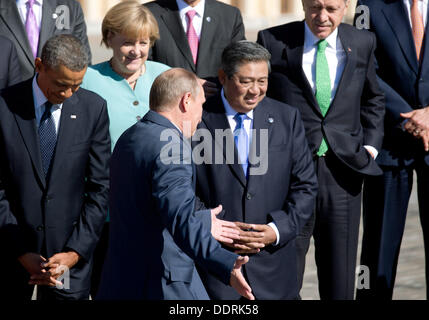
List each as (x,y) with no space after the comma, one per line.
(73,116)
(54,16)
(270,120)
(349,50)
(208,19)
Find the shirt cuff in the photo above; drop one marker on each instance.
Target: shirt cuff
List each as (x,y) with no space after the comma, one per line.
(274,227)
(372,150)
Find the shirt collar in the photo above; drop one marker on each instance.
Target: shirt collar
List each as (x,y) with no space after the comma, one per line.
(39,97)
(24,2)
(184,7)
(311,40)
(229,111)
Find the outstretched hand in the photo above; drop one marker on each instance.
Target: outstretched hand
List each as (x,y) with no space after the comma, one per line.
(223,231)
(237,279)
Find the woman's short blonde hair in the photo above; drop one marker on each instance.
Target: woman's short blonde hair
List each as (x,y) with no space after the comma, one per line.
(131,19)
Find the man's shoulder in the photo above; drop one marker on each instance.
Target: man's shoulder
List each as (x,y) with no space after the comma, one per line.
(278,107)
(222,7)
(284,29)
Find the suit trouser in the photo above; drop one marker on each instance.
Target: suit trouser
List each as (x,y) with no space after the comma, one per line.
(335,229)
(385,205)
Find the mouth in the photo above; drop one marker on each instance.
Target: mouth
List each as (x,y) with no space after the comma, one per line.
(251,100)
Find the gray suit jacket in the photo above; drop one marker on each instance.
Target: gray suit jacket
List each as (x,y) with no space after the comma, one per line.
(156,236)
(11,26)
(9,68)
(222,25)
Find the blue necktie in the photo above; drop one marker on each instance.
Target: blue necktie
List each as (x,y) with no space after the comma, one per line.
(241,141)
(48,137)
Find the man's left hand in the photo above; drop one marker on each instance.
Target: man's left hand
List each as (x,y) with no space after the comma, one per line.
(418,124)
(253,237)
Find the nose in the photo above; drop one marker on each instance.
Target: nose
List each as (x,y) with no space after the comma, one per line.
(67,93)
(323,16)
(254,88)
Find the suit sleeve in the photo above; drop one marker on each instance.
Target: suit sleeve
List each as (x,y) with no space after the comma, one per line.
(372,104)
(14,72)
(79,28)
(190,229)
(87,231)
(302,191)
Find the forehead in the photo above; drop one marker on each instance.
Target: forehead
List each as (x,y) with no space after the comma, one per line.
(325,3)
(64,74)
(130,36)
(253,69)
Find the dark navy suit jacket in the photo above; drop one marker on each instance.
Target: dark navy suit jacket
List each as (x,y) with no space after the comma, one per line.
(156,236)
(404,81)
(67,210)
(282,190)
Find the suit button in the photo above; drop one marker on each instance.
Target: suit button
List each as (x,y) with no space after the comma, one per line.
(40,228)
(249,196)
(136,103)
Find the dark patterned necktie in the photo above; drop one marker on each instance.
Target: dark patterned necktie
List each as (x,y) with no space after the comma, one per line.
(48,137)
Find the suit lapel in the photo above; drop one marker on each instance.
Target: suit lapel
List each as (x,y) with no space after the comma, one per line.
(216,119)
(10,15)
(350,51)
(294,52)
(208,32)
(261,122)
(68,127)
(26,120)
(171,19)
(48,23)
(398,20)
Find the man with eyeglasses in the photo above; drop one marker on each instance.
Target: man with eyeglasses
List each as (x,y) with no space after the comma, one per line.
(326,69)
(261,171)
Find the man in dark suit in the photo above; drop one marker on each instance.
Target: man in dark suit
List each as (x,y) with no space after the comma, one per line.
(326,69)
(403,69)
(156,234)
(195,46)
(30,29)
(54,177)
(9,68)
(274,193)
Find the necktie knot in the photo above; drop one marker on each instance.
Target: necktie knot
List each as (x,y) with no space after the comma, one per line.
(321,45)
(239,119)
(30,3)
(190,14)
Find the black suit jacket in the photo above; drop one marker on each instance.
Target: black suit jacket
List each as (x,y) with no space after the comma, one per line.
(284,193)
(11,26)
(222,25)
(355,117)
(69,209)
(404,81)
(9,68)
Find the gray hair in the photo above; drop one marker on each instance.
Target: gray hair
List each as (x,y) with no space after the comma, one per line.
(170,86)
(65,50)
(241,52)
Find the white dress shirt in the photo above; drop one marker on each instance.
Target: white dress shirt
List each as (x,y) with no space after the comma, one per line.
(336,57)
(39,106)
(197,21)
(423,8)
(248,125)
(37,9)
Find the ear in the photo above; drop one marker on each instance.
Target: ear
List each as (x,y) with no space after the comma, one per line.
(185,101)
(39,65)
(222,76)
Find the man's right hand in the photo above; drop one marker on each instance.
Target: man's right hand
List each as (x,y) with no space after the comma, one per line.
(237,279)
(32,262)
